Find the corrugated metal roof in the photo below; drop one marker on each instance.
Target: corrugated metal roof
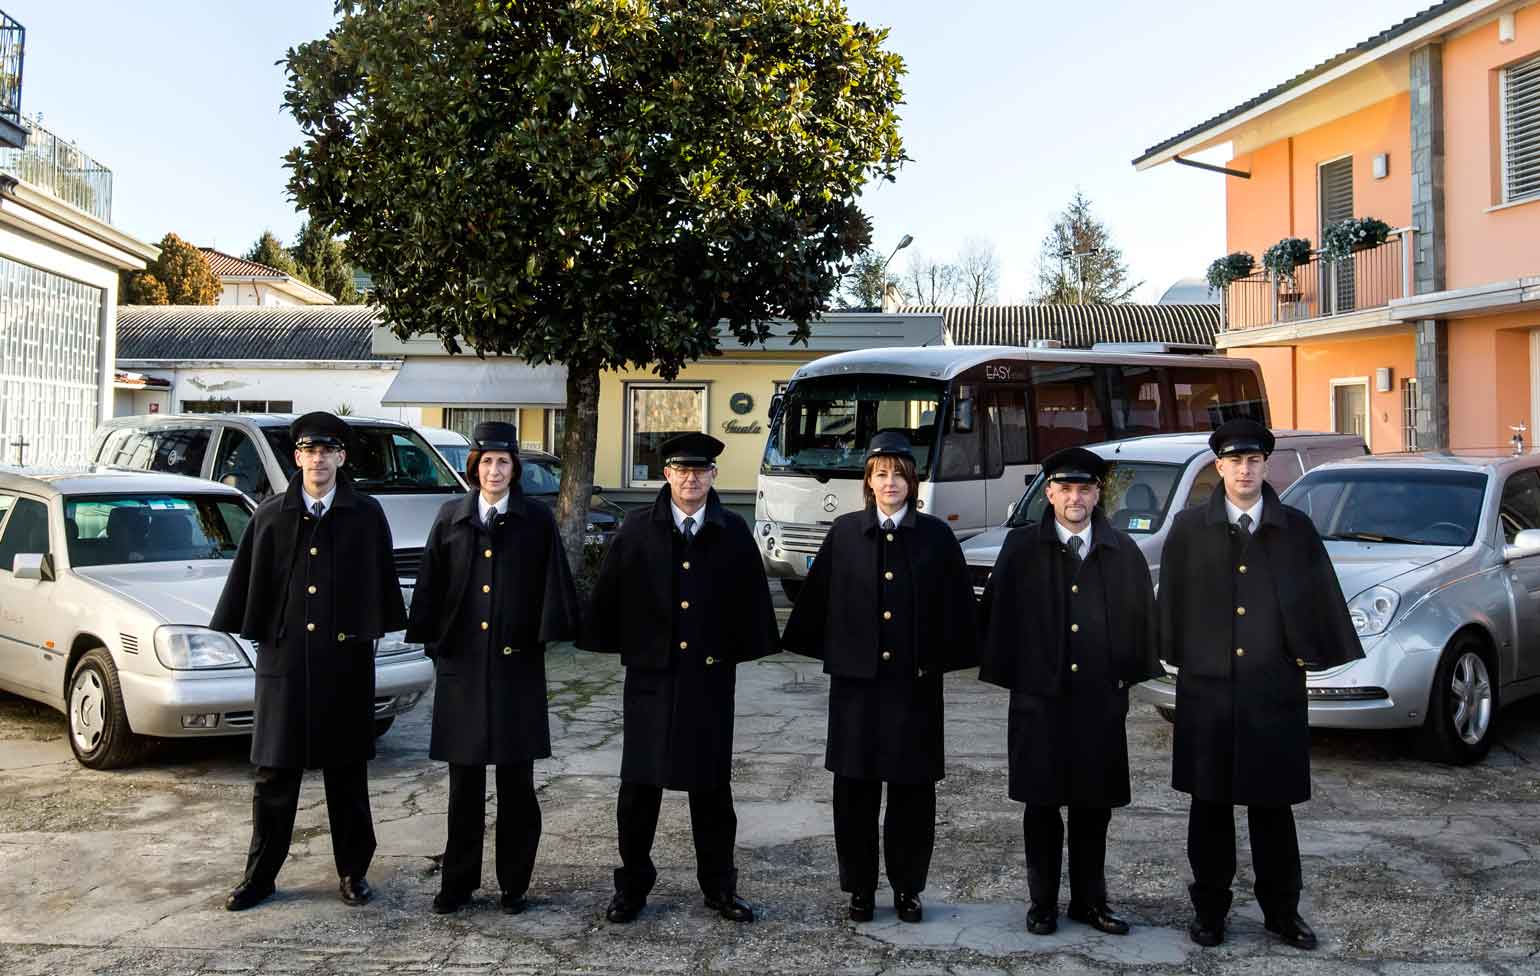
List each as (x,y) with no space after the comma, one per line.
(1077,326)
(1389,34)
(228,265)
(340,333)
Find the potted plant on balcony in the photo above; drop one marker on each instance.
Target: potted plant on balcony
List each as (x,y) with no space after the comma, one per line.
(1231,267)
(1341,239)
(1282,258)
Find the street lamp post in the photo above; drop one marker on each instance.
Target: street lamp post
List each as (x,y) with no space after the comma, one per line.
(1079,260)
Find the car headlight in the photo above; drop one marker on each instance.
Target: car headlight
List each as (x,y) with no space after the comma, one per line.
(1373,609)
(394,643)
(193,648)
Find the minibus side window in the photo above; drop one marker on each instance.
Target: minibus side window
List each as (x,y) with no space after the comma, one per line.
(1067,411)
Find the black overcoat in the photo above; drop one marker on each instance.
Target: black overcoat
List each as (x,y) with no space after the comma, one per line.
(489,697)
(678,701)
(1243,619)
(315,685)
(1069,688)
(886,722)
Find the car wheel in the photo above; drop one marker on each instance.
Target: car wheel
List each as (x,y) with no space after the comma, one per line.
(1166,712)
(98,725)
(382,725)
(1462,706)
(791,588)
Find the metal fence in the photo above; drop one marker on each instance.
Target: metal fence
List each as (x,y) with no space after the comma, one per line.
(13,42)
(60,168)
(1320,288)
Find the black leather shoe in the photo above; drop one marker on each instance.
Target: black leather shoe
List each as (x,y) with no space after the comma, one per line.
(624,908)
(447,903)
(354,891)
(908,907)
(863,904)
(247,895)
(1206,931)
(1099,917)
(730,907)
(1042,920)
(1293,930)
(513,904)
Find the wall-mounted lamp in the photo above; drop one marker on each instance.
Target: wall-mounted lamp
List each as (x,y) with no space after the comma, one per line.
(1382,380)
(1381,165)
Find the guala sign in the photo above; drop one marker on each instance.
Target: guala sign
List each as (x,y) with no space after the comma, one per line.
(738,427)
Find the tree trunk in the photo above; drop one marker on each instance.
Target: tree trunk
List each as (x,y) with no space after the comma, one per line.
(577,463)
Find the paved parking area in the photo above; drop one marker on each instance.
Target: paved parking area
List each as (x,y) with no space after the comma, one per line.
(1410,868)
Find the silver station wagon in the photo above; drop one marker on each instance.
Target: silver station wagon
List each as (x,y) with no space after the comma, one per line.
(1438,555)
(108,580)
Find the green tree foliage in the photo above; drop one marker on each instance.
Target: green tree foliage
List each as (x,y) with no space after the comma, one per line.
(180,276)
(1096,276)
(595,182)
(270,251)
(866,281)
(320,262)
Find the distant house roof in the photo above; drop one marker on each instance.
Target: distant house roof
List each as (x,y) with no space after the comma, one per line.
(230,269)
(1369,44)
(310,333)
(1190,291)
(1077,326)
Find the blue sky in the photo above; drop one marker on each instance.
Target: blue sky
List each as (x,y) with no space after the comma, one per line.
(1011,105)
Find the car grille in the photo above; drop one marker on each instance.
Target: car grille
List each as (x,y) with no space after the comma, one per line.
(239,720)
(803,538)
(408,561)
(382,705)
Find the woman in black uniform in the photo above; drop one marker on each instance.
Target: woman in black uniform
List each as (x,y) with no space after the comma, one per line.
(492,589)
(889,609)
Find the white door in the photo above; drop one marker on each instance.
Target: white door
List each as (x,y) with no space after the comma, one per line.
(1350,407)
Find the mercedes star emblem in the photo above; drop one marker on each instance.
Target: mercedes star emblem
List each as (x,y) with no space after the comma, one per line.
(831,501)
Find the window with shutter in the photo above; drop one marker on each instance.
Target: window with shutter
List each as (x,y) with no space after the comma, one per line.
(1336,186)
(1521,130)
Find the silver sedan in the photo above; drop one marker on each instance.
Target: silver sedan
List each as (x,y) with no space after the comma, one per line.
(1438,555)
(108,580)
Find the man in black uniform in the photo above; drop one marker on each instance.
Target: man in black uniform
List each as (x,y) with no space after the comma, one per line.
(1069,618)
(682,597)
(313,585)
(1248,603)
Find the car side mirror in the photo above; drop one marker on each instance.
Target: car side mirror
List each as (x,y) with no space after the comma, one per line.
(1526,543)
(597,489)
(776,403)
(33,566)
(1010,510)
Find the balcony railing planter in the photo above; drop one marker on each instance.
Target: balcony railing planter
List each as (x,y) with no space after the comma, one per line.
(1282,258)
(1341,240)
(1320,287)
(1231,267)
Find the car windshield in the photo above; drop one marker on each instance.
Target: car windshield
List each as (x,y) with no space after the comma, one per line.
(104,530)
(1391,505)
(825,423)
(539,476)
(381,460)
(1135,496)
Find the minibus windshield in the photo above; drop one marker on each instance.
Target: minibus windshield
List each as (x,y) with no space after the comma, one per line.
(825,423)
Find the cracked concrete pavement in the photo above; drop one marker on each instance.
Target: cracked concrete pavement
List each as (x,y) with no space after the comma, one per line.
(1410,868)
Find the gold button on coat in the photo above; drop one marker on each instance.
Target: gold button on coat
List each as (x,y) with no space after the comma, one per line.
(887,615)
(1240,652)
(1299,661)
(486,587)
(1240,611)
(487,553)
(684,645)
(1074,628)
(711,660)
(684,604)
(686,564)
(890,537)
(887,655)
(1074,667)
(310,627)
(507,651)
(310,589)
(341,637)
(485,625)
(314,551)
(888,575)
(1074,587)
(1242,569)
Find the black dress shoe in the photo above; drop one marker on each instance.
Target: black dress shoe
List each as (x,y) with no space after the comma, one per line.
(908,907)
(863,904)
(1293,930)
(1206,931)
(246,895)
(354,891)
(730,907)
(1042,920)
(624,908)
(513,904)
(1099,917)
(447,903)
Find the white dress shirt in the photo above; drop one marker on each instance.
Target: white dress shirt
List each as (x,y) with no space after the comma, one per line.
(325,500)
(1084,535)
(1234,513)
(680,515)
(481,505)
(897,517)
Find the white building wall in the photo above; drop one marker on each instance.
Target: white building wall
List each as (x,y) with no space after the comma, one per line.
(318,387)
(252,293)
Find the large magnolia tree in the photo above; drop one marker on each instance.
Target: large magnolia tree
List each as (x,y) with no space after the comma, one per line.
(598,183)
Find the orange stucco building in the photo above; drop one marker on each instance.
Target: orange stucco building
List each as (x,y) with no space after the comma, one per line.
(1431,339)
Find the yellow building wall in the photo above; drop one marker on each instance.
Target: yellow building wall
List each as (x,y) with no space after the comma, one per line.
(433,416)
(738,467)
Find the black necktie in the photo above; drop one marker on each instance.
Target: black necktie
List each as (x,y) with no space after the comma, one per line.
(887,525)
(688,528)
(319,508)
(490,519)
(1244,522)
(1075,545)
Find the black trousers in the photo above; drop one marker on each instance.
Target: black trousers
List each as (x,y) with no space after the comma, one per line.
(274,800)
(908,833)
(1274,858)
(518,828)
(713,823)
(1043,831)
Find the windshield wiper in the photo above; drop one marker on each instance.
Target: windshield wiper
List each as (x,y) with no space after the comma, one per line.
(1371,537)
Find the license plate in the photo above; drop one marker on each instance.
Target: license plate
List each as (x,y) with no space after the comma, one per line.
(810,564)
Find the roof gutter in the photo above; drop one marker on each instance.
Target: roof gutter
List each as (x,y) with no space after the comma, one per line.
(1211,167)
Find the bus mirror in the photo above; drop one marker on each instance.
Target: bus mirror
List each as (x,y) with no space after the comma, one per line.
(962,417)
(777,402)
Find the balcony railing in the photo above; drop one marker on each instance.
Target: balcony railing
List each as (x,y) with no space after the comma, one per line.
(59,168)
(1322,289)
(13,43)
